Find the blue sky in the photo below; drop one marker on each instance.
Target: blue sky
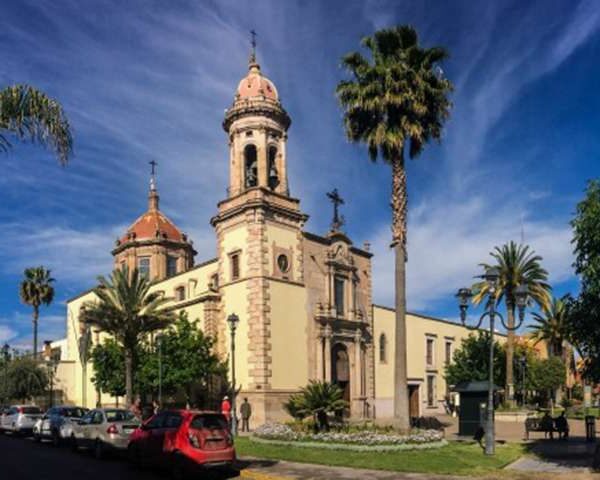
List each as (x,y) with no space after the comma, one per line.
(144,80)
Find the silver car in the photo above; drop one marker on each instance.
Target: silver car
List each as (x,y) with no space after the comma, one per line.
(104,430)
(20,419)
(56,424)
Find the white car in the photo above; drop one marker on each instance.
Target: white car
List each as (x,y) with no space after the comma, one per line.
(20,419)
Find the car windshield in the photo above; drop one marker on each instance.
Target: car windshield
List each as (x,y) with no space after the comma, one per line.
(119,416)
(30,410)
(73,412)
(211,421)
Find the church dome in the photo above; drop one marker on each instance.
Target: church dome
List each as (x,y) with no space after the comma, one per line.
(255,84)
(153,224)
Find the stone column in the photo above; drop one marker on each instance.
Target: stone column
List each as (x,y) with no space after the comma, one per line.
(358,390)
(327,353)
(320,362)
(283,186)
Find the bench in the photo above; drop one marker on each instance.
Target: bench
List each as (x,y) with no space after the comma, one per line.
(534,424)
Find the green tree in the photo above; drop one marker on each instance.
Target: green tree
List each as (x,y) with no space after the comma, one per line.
(319,400)
(187,358)
(395,101)
(551,326)
(35,290)
(518,265)
(127,310)
(546,376)
(584,311)
(25,379)
(27,113)
(470,362)
(108,359)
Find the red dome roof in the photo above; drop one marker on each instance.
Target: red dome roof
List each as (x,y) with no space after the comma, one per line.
(153,224)
(255,84)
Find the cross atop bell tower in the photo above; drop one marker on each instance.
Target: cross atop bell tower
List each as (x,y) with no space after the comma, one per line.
(153,197)
(336,200)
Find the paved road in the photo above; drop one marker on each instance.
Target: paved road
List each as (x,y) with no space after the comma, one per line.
(23,459)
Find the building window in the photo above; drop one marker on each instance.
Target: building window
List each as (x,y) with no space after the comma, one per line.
(273,175)
(448,353)
(431,390)
(123,265)
(180,293)
(144,267)
(235,266)
(339,296)
(171,266)
(382,348)
(283,263)
(214,281)
(429,352)
(250,166)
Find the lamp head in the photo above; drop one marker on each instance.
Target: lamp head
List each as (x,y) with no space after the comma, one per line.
(464,296)
(233,320)
(491,276)
(521,293)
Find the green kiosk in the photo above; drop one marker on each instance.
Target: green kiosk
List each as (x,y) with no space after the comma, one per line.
(473,406)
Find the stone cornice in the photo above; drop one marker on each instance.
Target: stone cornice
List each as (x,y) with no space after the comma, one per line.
(261,108)
(328,241)
(152,242)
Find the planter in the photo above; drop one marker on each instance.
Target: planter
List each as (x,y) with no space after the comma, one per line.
(350,447)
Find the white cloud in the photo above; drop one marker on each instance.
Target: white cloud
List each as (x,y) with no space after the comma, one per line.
(6,333)
(448,240)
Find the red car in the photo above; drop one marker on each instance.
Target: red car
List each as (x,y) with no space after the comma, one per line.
(182,441)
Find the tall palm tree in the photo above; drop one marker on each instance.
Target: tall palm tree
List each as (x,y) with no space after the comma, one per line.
(36,290)
(396,101)
(27,113)
(518,265)
(127,310)
(551,326)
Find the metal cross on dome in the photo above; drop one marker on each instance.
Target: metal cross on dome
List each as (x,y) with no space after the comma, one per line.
(153,165)
(337,200)
(253,43)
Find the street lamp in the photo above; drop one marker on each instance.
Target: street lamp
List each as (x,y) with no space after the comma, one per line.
(233,321)
(464,295)
(159,341)
(5,359)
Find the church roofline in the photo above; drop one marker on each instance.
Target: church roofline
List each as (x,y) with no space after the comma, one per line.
(435,319)
(195,267)
(328,241)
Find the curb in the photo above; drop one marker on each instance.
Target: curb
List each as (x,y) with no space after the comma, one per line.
(256,475)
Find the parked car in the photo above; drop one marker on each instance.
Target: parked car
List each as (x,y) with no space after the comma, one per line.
(20,419)
(104,430)
(56,424)
(182,441)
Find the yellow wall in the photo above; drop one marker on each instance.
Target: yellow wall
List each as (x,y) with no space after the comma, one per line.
(418,330)
(288,333)
(234,300)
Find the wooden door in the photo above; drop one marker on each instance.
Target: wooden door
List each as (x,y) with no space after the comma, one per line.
(413,400)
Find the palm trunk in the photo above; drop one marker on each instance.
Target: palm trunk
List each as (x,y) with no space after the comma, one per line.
(510,353)
(128,377)
(36,315)
(399,213)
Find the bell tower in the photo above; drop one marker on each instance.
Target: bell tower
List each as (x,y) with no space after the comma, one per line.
(259,239)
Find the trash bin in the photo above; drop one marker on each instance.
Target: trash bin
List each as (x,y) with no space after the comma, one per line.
(473,406)
(590,428)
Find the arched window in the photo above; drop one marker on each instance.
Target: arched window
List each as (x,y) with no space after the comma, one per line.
(180,294)
(273,174)
(250,166)
(382,348)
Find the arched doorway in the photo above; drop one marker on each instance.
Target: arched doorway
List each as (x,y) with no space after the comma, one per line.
(340,370)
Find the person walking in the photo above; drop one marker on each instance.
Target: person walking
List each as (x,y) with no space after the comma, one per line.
(226,408)
(136,408)
(246,412)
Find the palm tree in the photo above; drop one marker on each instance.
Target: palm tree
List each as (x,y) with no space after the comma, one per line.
(29,114)
(517,265)
(36,290)
(396,100)
(317,399)
(551,326)
(127,310)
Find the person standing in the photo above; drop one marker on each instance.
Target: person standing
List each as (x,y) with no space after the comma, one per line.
(226,408)
(246,412)
(136,408)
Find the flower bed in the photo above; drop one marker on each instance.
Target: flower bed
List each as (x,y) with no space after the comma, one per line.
(276,433)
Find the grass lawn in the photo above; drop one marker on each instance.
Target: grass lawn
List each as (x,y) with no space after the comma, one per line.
(459,458)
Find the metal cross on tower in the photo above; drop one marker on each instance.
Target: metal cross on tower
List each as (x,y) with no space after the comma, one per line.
(253,43)
(337,200)
(153,165)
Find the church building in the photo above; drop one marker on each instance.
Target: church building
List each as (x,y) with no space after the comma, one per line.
(304,300)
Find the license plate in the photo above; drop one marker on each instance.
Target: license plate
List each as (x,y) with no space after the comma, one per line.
(128,430)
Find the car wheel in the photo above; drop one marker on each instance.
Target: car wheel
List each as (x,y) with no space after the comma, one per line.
(133,454)
(73,442)
(177,467)
(98,449)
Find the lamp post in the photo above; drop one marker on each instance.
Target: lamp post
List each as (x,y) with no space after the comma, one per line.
(5,358)
(233,321)
(159,341)
(523,368)
(464,295)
